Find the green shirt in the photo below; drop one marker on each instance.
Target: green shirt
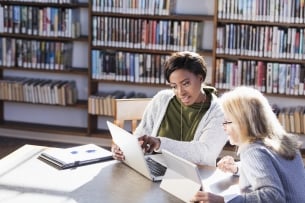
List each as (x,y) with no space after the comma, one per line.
(189,115)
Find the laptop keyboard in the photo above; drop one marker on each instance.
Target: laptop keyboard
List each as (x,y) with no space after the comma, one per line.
(156,168)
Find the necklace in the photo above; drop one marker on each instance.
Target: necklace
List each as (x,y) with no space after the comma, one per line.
(181,124)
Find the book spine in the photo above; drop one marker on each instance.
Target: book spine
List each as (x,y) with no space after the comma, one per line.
(288,79)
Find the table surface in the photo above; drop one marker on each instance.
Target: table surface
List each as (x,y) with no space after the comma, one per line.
(24,178)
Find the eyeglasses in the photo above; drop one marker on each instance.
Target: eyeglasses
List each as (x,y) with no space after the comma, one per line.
(226,123)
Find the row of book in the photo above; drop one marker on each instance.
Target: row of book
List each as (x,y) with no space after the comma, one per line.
(169,35)
(103,103)
(291,11)
(144,7)
(262,41)
(39,91)
(26,53)
(291,118)
(131,67)
(41,21)
(277,78)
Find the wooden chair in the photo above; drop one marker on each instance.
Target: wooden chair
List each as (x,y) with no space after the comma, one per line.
(129,110)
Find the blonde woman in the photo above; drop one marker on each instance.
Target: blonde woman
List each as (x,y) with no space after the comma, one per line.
(271,168)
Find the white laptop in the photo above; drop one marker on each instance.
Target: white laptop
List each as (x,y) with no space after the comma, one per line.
(182,178)
(134,156)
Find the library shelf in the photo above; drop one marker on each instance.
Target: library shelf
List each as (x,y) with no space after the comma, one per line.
(91,130)
(137,46)
(242,36)
(23,29)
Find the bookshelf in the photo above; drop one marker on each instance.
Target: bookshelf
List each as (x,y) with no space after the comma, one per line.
(37,69)
(262,45)
(59,118)
(88,124)
(129,43)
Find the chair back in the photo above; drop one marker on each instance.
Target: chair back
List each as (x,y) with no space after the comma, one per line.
(129,110)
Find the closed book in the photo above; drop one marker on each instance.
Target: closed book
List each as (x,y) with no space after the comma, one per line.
(282,78)
(269,83)
(292,119)
(75,156)
(303,120)
(275,78)
(297,119)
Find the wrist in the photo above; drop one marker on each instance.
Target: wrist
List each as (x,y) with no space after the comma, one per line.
(236,171)
(158,144)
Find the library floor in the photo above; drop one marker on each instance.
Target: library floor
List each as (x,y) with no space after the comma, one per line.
(8,145)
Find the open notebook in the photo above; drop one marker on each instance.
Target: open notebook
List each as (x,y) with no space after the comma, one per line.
(75,156)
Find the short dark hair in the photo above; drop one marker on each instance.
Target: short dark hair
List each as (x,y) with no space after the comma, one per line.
(189,61)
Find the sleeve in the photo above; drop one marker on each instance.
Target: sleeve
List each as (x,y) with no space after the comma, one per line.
(153,115)
(266,186)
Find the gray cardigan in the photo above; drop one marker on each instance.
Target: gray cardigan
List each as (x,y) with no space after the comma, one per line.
(267,177)
(209,137)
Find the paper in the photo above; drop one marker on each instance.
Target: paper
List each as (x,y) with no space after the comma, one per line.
(221,183)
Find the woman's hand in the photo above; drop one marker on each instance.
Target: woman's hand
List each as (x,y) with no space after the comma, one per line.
(202,196)
(117,152)
(149,143)
(227,164)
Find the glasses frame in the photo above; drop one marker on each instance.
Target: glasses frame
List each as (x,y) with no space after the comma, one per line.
(226,123)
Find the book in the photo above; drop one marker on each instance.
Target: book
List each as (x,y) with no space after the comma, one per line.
(301,80)
(288,79)
(282,78)
(75,156)
(275,78)
(297,119)
(17,19)
(302,120)
(269,83)
(292,119)
(1,19)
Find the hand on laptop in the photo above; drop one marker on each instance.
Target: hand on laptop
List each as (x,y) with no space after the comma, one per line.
(149,143)
(117,153)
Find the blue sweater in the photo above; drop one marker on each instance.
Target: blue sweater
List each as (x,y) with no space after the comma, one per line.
(267,177)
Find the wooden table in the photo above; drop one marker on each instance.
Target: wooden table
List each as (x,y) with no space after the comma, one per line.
(24,178)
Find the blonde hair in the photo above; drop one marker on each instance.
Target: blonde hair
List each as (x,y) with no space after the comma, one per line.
(256,121)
